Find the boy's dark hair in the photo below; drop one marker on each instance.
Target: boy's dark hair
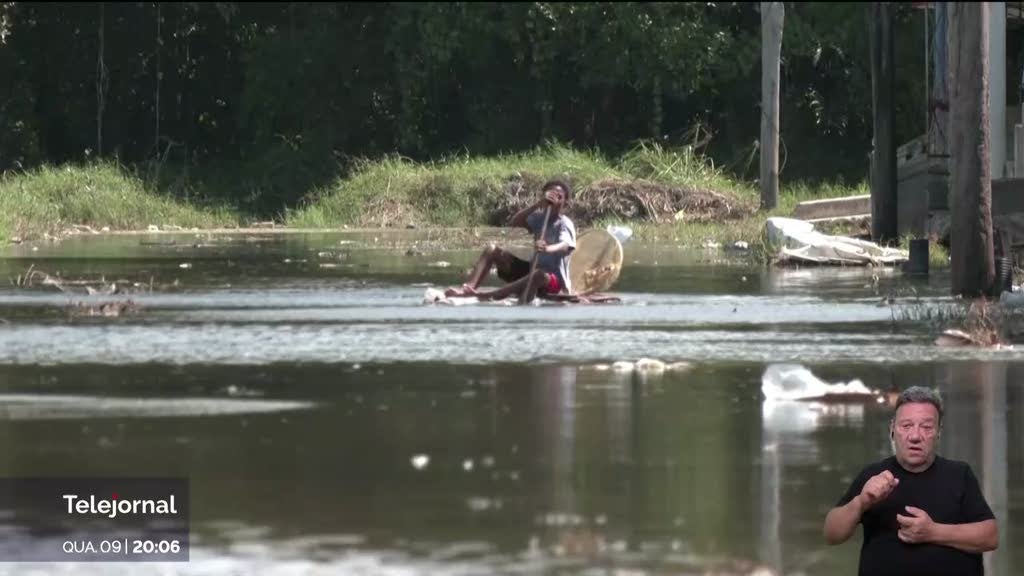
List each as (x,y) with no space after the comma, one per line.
(558,184)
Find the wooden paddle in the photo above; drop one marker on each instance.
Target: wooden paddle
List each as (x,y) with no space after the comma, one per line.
(536,256)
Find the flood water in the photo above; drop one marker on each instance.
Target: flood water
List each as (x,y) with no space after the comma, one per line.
(331,423)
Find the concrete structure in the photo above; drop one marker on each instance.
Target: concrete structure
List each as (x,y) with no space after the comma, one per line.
(923,163)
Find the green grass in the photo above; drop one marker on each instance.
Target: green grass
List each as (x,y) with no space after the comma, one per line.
(681,167)
(454,191)
(938,255)
(461,190)
(392,191)
(49,199)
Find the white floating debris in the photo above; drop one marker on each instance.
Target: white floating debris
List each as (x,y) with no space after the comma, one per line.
(622,233)
(711,244)
(741,245)
(420,461)
(439,264)
(650,365)
(479,504)
(645,365)
(467,465)
(185,265)
(622,366)
(1014,299)
(797,240)
(795,382)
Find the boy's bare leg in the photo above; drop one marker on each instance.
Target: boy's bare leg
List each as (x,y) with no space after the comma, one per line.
(516,288)
(491,256)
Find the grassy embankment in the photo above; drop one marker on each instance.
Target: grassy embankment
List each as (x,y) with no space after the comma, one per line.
(50,200)
(470,191)
(641,189)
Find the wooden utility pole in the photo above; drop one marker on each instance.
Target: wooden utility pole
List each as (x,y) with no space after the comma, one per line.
(772,14)
(883,160)
(938,104)
(973,262)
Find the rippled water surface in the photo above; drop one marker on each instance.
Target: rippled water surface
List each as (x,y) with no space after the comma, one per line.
(330,422)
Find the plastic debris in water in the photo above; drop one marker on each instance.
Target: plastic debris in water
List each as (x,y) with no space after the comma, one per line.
(795,382)
(650,365)
(420,461)
(622,233)
(646,365)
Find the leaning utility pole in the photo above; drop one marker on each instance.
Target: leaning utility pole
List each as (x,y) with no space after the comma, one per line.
(772,14)
(973,261)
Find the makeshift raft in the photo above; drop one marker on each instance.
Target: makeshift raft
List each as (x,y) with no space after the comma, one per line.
(593,269)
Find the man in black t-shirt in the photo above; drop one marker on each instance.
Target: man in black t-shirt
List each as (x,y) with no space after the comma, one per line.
(922,514)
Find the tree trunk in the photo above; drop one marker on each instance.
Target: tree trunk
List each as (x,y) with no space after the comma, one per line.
(159,74)
(938,106)
(973,262)
(883,177)
(657,113)
(772,15)
(101,84)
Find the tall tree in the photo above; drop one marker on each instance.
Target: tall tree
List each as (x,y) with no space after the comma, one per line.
(101,82)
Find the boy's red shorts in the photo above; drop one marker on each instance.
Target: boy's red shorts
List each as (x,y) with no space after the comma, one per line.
(521,268)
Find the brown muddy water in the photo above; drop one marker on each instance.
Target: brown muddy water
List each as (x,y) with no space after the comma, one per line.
(330,423)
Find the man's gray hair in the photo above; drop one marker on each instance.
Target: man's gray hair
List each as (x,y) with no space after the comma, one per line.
(921,394)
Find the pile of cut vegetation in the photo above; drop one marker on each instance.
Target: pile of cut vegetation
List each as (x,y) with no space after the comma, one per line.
(619,198)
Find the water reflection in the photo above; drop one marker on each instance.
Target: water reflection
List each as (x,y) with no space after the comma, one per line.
(551,468)
(814,448)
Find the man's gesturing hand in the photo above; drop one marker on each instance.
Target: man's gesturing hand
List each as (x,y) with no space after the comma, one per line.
(917,527)
(878,488)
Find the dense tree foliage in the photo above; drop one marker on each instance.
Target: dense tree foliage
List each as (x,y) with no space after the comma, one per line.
(276,97)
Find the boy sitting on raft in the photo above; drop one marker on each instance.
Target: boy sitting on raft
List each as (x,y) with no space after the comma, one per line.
(553,252)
